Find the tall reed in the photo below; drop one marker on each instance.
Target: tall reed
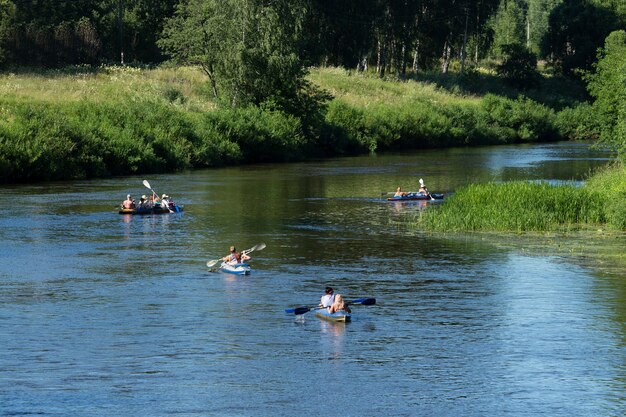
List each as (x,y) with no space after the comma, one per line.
(518,207)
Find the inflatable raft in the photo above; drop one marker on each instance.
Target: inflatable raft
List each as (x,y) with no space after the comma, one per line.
(416,196)
(153,210)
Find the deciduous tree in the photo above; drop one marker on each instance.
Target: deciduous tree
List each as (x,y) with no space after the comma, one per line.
(608,85)
(249,51)
(7,11)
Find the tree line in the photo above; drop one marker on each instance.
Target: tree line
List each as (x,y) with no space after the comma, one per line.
(396,36)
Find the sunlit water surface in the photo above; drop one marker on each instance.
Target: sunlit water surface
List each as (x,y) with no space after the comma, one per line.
(110,315)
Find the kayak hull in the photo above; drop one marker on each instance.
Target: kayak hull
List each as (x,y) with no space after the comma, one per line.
(416,196)
(339,316)
(237,269)
(154,210)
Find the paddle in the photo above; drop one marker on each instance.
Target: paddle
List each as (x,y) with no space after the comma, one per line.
(147,184)
(302,310)
(259,246)
(422,186)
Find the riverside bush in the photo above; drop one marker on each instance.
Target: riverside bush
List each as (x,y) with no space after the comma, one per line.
(261,135)
(495,120)
(50,141)
(120,121)
(578,123)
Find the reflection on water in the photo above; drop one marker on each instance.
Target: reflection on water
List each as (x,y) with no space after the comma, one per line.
(332,338)
(103,314)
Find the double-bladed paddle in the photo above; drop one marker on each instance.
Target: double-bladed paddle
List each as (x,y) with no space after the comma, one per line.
(302,310)
(259,246)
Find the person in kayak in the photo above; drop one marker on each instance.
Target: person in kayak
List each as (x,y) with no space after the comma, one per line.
(399,192)
(339,305)
(128,203)
(143,202)
(152,201)
(235,257)
(423,189)
(328,298)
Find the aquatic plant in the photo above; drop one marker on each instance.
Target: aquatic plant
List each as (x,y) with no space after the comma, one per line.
(531,206)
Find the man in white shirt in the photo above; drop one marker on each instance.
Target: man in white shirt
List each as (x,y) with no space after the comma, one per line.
(328,298)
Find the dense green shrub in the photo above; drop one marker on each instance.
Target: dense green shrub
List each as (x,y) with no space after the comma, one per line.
(578,123)
(42,141)
(262,136)
(608,85)
(172,127)
(522,120)
(496,120)
(346,130)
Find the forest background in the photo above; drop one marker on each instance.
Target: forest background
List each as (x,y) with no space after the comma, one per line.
(93,88)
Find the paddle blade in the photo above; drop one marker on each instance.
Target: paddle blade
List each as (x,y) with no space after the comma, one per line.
(297,310)
(364,301)
(260,246)
(212,263)
(301,310)
(146,184)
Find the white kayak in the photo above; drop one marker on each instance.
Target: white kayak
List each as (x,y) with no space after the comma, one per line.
(237,269)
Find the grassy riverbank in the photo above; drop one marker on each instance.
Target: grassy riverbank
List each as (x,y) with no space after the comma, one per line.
(536,207)
(85,122)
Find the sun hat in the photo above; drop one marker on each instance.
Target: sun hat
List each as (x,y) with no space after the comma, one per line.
(143,197)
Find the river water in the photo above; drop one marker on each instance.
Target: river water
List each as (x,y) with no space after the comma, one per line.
(110,315)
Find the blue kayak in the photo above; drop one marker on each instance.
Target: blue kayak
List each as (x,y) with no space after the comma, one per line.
(340,316)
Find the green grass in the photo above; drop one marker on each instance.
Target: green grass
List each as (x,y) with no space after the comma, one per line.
(109,84)
(533,207)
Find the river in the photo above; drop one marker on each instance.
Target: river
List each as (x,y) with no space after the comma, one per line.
(109,315)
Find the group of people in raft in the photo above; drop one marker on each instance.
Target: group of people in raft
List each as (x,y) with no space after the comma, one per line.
(148,203)
(422,190)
